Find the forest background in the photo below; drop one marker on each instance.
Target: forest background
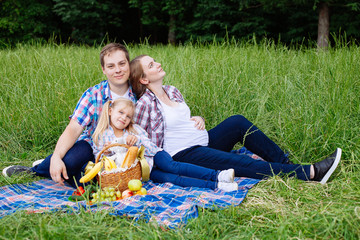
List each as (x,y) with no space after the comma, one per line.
(90,22)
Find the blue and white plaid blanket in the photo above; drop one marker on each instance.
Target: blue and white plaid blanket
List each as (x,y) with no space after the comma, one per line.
(167,204)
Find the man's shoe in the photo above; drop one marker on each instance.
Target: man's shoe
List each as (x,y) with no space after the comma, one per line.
(37,162)
(11,170)
(326,167)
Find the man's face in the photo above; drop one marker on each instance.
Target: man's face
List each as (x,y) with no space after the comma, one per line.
(116,68)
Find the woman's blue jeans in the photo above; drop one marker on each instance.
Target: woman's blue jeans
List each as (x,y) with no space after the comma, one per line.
(223,138)
(182,174)
(75,161)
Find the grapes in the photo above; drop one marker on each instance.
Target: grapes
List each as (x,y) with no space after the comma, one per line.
(106,194)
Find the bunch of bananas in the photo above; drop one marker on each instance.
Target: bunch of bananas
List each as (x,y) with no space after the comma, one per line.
(108,163)
(92,169)
(90,172)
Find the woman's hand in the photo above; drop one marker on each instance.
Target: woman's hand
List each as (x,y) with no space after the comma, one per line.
(131,140)
(199,122)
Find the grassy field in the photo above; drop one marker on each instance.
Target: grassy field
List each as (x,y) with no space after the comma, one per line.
(306,100)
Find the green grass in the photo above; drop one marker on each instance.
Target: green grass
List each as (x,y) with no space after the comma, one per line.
(306,100)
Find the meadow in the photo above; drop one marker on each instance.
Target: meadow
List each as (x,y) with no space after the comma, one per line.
(306,100)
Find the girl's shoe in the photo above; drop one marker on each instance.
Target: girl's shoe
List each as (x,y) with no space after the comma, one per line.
(226,176)
(228,187)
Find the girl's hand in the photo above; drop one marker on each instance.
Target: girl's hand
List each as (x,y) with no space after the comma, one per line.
(131,140)
(108,151)
(199,122)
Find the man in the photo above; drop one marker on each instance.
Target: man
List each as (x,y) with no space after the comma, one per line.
(73,150)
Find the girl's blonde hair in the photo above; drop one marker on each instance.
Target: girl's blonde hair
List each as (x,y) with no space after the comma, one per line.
(104,121)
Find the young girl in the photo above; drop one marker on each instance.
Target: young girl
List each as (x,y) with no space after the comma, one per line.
(116,124)
(163,113)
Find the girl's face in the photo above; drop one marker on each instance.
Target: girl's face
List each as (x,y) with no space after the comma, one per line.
(120,116)
(152,69)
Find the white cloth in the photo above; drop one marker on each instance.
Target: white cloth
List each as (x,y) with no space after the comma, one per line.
(116,96)
(180,131)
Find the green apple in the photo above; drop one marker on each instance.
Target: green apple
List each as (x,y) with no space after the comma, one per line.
(134,185)
(143,191)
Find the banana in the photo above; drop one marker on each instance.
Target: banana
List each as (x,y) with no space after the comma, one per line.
(109,163)
(112,163)
(89,166)
(141,152)
(92,173)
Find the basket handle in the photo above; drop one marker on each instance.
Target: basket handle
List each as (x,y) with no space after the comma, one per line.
(107,147)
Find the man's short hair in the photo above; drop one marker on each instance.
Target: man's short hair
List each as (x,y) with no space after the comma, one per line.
(111,47)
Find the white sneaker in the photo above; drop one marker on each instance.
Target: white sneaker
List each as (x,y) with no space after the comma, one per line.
(37,162)
(226,176)
(228,187)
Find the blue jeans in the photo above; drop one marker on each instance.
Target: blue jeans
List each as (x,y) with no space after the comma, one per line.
(236,129)
(182,174)
(75,161)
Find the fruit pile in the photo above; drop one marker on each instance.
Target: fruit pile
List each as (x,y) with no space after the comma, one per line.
(110,194)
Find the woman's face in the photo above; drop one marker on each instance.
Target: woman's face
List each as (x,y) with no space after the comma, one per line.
(120,116)
(152,69)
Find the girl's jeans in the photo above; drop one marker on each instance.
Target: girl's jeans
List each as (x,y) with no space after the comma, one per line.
(182,174)
(165,170)
(75,161)
(236,129)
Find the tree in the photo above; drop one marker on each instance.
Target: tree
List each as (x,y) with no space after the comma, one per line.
(163,14)
(323,25)
(24,20)
(323,7)
(90,21)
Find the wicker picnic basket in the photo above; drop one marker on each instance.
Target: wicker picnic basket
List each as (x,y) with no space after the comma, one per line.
(118,180)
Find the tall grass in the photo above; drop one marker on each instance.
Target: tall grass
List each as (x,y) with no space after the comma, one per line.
(306,100)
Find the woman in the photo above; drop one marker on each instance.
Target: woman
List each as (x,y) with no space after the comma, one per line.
(163,113)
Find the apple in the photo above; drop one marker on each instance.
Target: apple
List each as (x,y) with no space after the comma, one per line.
(134,185)
(127,193)
(142,191)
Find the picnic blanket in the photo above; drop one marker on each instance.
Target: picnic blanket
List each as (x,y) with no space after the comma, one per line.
(167,204)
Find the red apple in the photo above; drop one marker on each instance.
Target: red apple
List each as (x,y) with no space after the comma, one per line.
(127,193)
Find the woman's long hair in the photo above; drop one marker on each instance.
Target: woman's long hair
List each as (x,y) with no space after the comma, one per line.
(136,73)
(104,121)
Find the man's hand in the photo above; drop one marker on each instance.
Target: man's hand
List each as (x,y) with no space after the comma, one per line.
(131,140)
(58,171)
(67,139)
(199,122)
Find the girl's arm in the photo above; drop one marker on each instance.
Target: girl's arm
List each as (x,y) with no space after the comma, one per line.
(143,139)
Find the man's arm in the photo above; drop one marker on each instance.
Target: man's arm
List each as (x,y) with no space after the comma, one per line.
(65,142)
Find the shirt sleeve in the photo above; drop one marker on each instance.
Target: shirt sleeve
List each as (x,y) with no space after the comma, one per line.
(142,116)
(84,110)
(150,148)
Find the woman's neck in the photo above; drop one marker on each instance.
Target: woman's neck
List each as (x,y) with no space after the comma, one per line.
(157,89)
(162,95)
